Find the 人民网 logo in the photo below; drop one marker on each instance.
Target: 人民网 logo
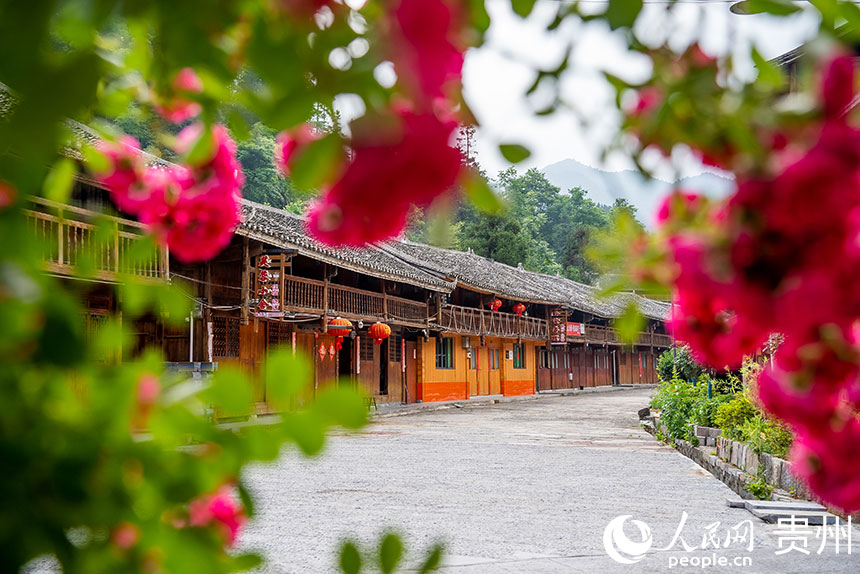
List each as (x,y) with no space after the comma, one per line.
(619,547)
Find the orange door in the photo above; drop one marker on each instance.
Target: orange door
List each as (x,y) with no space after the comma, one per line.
(494,358)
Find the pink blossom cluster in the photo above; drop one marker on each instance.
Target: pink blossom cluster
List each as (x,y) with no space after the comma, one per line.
(407,158)
(781,255)
(178,107)
(219,509)
(193,209)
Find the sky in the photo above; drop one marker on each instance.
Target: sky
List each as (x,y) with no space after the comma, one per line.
(497,75)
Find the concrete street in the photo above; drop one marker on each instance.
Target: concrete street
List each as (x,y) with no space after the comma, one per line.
(519,487)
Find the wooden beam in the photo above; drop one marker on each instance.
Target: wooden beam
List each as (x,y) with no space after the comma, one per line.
(325,298)
(246,278)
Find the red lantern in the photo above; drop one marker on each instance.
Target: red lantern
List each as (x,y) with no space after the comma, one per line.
(378,332)
(495,305)
(340,328)
(519,309)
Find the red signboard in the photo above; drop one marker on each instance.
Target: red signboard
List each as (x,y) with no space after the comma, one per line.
(557,327)
(575,329)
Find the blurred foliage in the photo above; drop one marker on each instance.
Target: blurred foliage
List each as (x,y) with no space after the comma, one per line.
(387,558)
(74,404)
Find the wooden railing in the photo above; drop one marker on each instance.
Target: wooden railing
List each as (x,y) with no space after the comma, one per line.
(471,321)
(599,334)
(314,296)
(75,241)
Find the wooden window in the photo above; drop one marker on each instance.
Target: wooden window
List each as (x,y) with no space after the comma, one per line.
(225,336)
(494,359)
(394,347)
(473,358)
(519,356)
(444,353)
(365,349)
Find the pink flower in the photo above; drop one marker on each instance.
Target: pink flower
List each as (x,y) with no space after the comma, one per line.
(411,162)
(288,143)
(837,86)
(8,194)
(648,99)
(828,464)
(681,205)
(179,108)
(218,509)
(426,47)
(123,172)
(125,535)
(148,389)
(193,209)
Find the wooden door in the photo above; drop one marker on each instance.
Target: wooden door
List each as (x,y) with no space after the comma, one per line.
(483,371)
(544,374)
(252,353)
(494,358)
(325,363)
(472,370)
(411,372)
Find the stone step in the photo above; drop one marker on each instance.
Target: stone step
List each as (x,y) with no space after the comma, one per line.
(781,506)
(812,518)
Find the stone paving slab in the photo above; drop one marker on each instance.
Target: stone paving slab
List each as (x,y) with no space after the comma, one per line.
(517,487)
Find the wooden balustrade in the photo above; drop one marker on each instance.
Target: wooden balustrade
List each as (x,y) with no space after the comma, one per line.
(600,334)
(308,295)
(74,241)
(471,321)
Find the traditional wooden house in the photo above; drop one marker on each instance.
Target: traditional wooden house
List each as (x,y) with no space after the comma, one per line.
(460,325)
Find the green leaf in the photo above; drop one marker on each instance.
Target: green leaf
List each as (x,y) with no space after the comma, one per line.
(622,13)
(286,375)
(306,430)
(829,11)
(230,391)
(175,303)
(245,562)
(767,72)
(514,153)
(775,7)
(135,297)
(523,7)
(629,324)
(350,558)
(95,160)
(318,163)
(343,406)
(481,194)
(390,553)
(433,560)
(203,148)
(59,181)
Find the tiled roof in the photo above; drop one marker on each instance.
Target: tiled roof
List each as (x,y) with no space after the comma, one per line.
(283,229)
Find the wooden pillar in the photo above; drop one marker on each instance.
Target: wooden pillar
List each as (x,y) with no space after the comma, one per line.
(384,301)
(246,279)
(207,312)
(325,298)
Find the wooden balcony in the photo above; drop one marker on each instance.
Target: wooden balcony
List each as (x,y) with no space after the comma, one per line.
(311,296)
(76,241)
(598,334)
(470,321)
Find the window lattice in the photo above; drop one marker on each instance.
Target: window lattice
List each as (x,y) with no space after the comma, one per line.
(394,350)
(225,336)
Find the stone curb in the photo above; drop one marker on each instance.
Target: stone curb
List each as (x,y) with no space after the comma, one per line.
(398,410)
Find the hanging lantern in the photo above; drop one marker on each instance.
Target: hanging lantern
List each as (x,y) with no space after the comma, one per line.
(340,328)
(495,305)
(264,261)
(519,309)
(378,332)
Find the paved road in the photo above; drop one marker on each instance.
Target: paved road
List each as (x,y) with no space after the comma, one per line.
(524,487)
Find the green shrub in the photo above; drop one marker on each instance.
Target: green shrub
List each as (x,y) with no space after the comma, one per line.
(732,415)
(678,400)
(764,435)
(679,364)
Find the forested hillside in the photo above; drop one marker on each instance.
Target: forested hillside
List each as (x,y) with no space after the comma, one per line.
(541,226)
